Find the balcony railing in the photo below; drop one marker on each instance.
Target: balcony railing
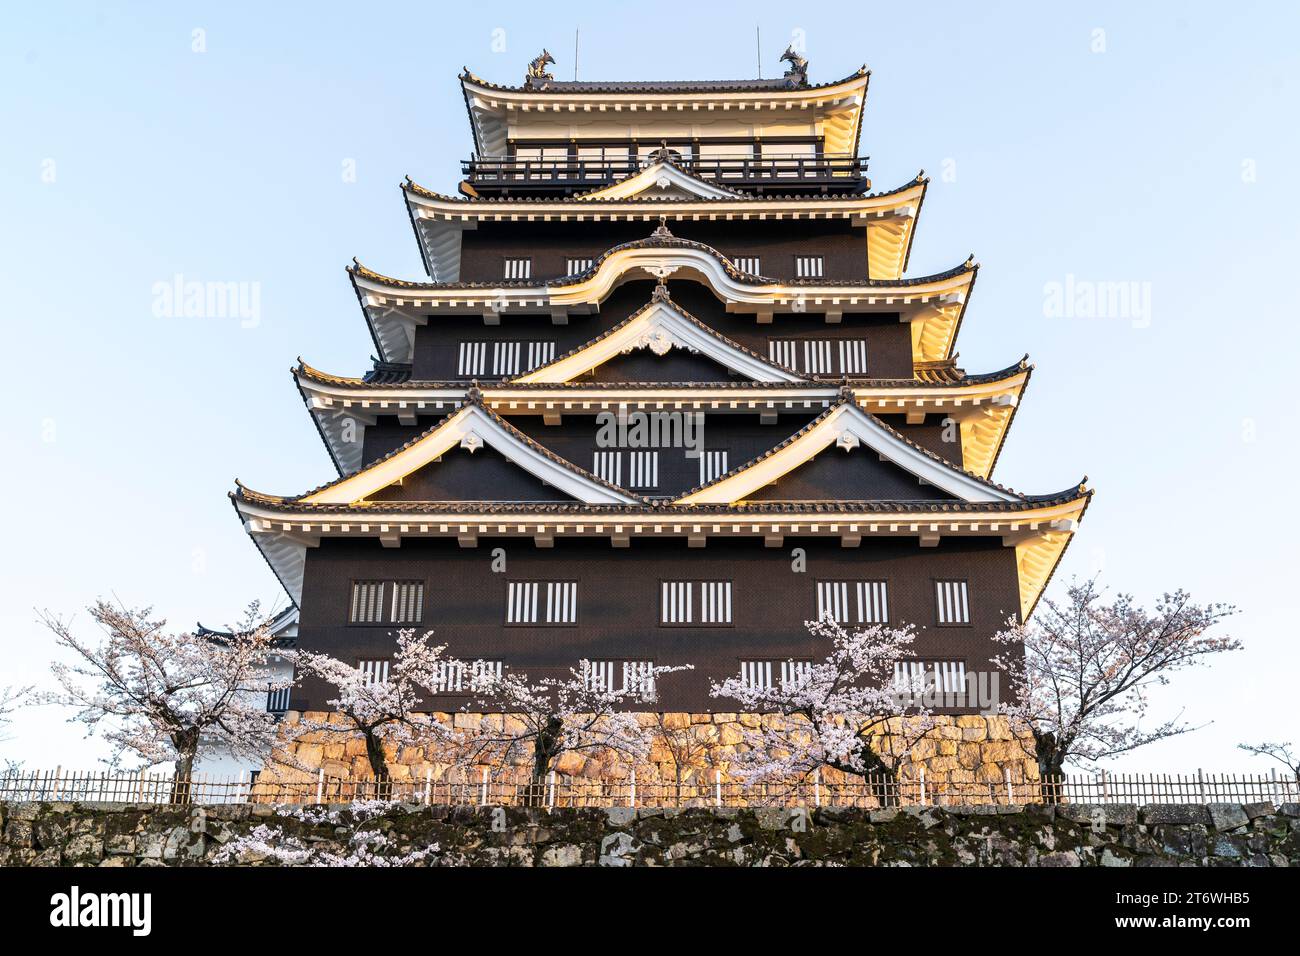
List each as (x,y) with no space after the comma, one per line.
(770,173)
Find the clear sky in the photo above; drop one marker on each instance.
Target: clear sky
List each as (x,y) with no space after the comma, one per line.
(1109,142)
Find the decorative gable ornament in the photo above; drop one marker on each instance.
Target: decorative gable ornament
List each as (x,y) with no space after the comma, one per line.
(471,442)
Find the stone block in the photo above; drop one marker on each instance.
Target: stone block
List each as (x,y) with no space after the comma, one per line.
(1227,816)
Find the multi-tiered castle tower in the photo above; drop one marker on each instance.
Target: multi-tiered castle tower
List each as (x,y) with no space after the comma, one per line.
(665,395)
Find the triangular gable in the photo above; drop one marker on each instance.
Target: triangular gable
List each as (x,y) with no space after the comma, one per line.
(461,474)
(857,476)
(471,427)
(660,326)
(662,180)
(849,428)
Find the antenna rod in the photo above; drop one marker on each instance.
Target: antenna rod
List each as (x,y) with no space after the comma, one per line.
(758,49)
(575,54)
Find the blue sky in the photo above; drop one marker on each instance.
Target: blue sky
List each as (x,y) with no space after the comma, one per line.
(1110,142)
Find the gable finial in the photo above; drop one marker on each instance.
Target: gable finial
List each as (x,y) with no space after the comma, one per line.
(661,291)
(797,75)
(662,231)
(537,75)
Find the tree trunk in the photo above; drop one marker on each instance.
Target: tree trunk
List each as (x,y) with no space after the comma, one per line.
(186,742)
(378,763)
(883,778)
(547,745)
(1051,764)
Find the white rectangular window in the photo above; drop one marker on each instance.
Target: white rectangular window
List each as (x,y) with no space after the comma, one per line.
(853,602)
(451,677)
(950,596)
(794,673)
(539,353)
(373,672)
(713,464)
(756,675)
(387,602)
(715,602)
(817,356)
(643,469)
(472,359)
(277,701)
(511,358)
(853,356)
(542,602)
(577,266)
(519,269)
(695,602)
(918,677)
(521,602)
(676,605)
(784,352)
(608,466)
(407,602)
(367,602)
(620,676)
(561,602)
(505,357)
(808,267)
(749,264)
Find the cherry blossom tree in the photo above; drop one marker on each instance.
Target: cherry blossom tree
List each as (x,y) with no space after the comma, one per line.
(11,699)
(549,717)
(1079,691)
(844,712)
(1283,752)
(382,709)
(158,695)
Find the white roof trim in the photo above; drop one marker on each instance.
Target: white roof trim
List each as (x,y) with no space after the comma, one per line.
(470,428)
(660,327)
(848,427)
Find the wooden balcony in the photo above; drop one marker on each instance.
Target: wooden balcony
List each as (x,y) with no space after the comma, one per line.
(506,175)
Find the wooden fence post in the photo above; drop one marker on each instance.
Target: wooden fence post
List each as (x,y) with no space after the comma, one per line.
(320,786)
(631,797)
(921,777)
(717,786)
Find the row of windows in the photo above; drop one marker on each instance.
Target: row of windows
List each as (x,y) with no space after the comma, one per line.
(820,356)
(915,676)
(816,356)
(642,467)
(805,267)
(508,357)
(693,603)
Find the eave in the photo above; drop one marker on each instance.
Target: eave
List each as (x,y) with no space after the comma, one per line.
(933,305)
(889,218)
(982,405)
(499,113)
(1039,528)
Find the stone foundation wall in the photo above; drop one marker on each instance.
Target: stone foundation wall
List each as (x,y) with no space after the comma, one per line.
(71,834)
(959,750)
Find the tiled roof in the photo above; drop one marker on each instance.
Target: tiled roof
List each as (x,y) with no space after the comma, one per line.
(656,507)
(929,374)
(664,241)
(773,85)
(851,199)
